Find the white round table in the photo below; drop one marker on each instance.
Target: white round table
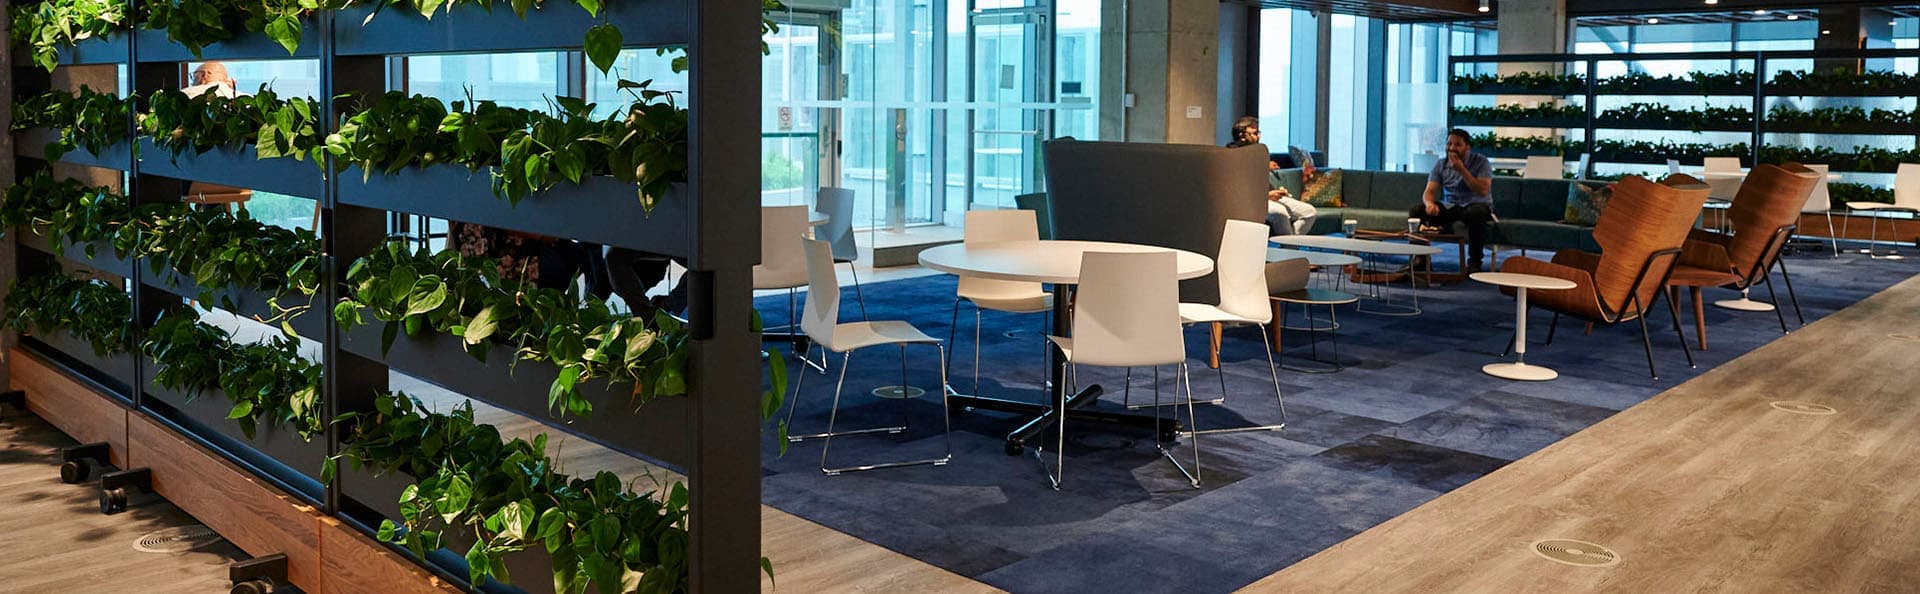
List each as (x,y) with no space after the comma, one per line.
(1055,262)
(1519,369)
(1321,259)
(1381,293)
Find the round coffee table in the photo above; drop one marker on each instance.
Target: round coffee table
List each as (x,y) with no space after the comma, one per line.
(1519,369)
(1367,249)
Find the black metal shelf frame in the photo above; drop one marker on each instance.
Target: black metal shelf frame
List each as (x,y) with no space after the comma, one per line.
(711,435)
(1758,92)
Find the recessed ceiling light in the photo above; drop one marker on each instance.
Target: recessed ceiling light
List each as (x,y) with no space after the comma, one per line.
(1759,11)
(1653,21)
(1894,23)
(1486,5)
(1793,17)
(1825,32)
(1712,2)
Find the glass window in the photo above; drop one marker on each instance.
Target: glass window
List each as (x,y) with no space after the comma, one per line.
(1276,82)
(526,80)
(288,78)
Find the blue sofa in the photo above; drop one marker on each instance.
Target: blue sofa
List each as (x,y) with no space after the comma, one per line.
(1529,210)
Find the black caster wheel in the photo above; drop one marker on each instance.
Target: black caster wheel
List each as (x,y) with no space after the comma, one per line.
(258,586)
(113,501)
(1015,449)
(74,472)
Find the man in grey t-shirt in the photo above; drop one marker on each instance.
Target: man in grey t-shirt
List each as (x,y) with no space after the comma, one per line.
(1460,188)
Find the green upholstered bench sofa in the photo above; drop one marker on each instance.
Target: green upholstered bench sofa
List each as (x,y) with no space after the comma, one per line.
(1529,210)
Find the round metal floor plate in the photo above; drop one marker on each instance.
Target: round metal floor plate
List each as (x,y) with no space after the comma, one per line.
(899,392)
(178,539)
(1574,552)
(1803,408)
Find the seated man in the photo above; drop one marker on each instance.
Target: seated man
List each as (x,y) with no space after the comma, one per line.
(1459,188)
(1285,215)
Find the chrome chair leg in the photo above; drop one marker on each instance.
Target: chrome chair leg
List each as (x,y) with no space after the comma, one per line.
(833,415)
(1835,239)
(947,434)
(858,294)
(1195,428)
(1222,400)
(1193,476)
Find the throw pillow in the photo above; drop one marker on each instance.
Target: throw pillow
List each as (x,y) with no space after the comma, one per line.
(1324,190)
(1585,200)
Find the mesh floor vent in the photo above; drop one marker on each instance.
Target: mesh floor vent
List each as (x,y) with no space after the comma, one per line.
(176,540)
(1803,408)
(1575,552)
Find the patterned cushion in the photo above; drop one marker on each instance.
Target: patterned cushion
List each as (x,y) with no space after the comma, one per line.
(1324,190)
(1585,200)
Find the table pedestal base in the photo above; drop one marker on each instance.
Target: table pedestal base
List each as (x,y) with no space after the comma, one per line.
(1520,372)
(1044,416)
(1743,304)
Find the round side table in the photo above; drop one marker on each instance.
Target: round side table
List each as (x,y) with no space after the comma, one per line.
(1519,369)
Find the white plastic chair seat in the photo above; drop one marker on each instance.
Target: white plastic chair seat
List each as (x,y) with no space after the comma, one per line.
(764,278)
(1065,343)
(860,335)
(1201,313)
(1029,303)
(1879,206)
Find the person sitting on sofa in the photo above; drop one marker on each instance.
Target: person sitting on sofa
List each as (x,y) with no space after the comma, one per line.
(1459,189)
(1285,215)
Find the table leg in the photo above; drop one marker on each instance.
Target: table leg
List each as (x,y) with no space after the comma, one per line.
(1699,317)
(1519,369)
(1213,346)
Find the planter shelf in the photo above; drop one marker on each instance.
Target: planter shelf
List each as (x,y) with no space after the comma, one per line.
(1569,123)
(241,168)
(114,371)
(103,258)
(1862,129)
(110,49)
(1497,89)
(153,46)
(1605,124)
(530,569)
(1774,90)
(474,29)
(277,452)
(656,429)
(615,216)
(33,143)
(247,303)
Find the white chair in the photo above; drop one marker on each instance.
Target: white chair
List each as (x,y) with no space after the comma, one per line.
(994,226)
(1580,169)
(1126,314)
(822,324)
(782,266)
(837,204)
(1725,187)
(1673,167)
(1820,202)
(1242,270)
(1544,167)
(1906,198)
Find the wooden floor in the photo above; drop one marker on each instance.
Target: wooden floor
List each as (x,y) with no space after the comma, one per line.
(1703,488)
(53,537)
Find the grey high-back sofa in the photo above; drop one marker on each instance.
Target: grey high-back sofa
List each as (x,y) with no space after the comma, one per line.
(1172,195)
(1529,210)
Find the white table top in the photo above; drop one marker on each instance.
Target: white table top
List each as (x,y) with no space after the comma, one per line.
(1739,174)
(1522,281)
(1055,261)
(1362,246)
(1313,258)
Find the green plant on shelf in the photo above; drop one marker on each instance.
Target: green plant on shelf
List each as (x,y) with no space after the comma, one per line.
(89,309)
(1660,116)
(196,24)
(71,212)
(1515,113)
(181,125)
(1840,82)
(464,297)
(1701,82)
(1840,193)
(1494,144)
(1861,158)
(85,119)
(1537,82)
(1653,152)
(44,27)
(1841,119)
(265,383)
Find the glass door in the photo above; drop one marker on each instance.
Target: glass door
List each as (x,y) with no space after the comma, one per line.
(796,130)
(1010,54)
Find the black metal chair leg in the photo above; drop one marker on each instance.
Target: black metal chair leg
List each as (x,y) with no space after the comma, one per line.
(1646,339)
(1790,295)
(1673,307)
(1551,326)
(1774,298)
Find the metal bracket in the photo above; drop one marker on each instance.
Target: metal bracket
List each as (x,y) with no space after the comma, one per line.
(259,575)
(77,462)
(116,488)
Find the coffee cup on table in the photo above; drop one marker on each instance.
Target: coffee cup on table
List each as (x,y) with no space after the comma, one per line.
(1347,226)
(1413,225)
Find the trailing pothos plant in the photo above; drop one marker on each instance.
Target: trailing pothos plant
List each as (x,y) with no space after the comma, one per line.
(197,24)
(89,309)
(44,27)
(449,293)
(265,383)
(86,119)
(180,124)
(71,212)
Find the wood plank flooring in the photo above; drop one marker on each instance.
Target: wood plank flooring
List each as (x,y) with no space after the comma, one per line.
(1705,487)
(53,537)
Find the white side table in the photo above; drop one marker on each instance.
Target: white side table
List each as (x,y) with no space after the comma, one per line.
(1519,369)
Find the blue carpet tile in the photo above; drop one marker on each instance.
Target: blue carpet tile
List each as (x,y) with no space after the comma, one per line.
(1411,418)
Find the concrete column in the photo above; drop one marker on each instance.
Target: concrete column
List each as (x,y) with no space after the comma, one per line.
(1170,70)
(1531,27)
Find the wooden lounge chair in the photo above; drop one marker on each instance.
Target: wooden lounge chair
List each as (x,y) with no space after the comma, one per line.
(1763,216)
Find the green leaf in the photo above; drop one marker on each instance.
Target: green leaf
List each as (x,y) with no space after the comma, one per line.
(592,6)
(514,519)
(603,45)
(241,410)
(482,326)
(286,31)
(459,492)
(562,386)
(478,565)
(426,296)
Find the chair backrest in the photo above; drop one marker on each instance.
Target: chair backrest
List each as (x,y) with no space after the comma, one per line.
(837,204)
(822,313)
(1544,167)
(1770,199)
(781,266)
(1818,200)
(1042,217)
(1641,219)
(1673,167)
(1169,195)
(993,226)
(1127,310)
(1580,169)
(1906,186)
(1241,266)
(1720,164)
(1287,276)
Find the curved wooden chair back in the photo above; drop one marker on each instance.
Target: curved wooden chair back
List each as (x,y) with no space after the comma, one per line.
(1771,198)
(1641,219)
